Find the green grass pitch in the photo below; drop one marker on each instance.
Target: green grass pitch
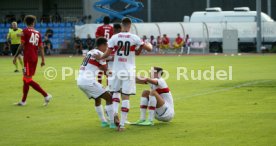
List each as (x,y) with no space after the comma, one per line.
(214,113)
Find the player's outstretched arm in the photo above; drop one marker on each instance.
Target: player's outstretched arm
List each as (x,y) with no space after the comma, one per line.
(141,80)
(146,46)
(104,56)
(42,55)
(152,81)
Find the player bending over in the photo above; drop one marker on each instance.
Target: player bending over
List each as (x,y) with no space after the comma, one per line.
(87,82)
(123,69)
(30,42)
(158,100)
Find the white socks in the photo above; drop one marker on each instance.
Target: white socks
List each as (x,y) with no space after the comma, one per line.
(124,109)
(110,113)
(116,102)
(152,107)
(100,112)
(143,107)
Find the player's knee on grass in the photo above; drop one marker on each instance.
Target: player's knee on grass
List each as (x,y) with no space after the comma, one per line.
(146,93)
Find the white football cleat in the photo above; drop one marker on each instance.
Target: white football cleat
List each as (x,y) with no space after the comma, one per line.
(47,99)
(20,103)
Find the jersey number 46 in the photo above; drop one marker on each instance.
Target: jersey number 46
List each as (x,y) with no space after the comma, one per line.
(34,39)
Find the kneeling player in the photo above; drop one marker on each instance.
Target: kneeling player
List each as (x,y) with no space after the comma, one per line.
(87,82)
(158,100)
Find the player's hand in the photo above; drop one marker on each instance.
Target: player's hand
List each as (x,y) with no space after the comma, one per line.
(14,60)
(42,64)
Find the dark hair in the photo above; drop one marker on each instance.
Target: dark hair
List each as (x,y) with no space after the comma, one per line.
(158,70)
(29,19)
(117,28)
(106,20)
(126,21)
(101,41)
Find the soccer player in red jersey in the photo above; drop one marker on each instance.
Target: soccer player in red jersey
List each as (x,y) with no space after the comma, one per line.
(105,30)
(30,42)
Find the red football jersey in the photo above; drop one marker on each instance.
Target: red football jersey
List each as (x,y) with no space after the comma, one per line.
(105,31)
(32,40)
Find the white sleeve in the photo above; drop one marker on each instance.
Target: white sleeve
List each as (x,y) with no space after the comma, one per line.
(102,61)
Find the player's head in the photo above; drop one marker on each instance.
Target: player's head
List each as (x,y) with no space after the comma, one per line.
(14,25)
(101,44)
(178,35)
(156,72)
(30,20)
(88,36)
(126,24)
(106,20)
(117,28)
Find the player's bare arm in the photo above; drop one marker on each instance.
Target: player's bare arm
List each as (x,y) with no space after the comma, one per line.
(147,46)
(104,56)
(141,80)
(152,81)
(42,55)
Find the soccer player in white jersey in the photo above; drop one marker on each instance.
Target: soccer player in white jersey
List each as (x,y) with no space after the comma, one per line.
(123,70)
(158,99)
(87,82)
(115,95)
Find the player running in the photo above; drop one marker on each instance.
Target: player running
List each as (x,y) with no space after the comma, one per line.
(123,70)
(30,42)
(14,35)
(89,69)
(158,100)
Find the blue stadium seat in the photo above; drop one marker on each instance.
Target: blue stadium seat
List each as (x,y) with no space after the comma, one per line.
(43,30)
(55,25)
(62,25)
(68,24)
(50,25)
(21,25)
(37,25)
(68,35)
(2,25)
(43,25)
(61,30)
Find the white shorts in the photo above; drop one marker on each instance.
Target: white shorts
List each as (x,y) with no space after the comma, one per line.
(93,90)
(125,85)
(164,114)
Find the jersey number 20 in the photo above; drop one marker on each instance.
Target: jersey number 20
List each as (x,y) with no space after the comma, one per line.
(126,47)
(34,39)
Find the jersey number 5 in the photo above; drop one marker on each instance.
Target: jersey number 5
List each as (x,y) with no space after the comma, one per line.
(34,39)
(106,34)
(126,47)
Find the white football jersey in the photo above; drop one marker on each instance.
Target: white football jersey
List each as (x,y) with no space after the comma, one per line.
(124,45)
(164,91)
(89,68)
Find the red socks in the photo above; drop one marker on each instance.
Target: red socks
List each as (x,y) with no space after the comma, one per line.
(29,82)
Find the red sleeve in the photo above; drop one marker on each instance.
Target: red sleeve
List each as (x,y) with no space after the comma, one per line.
(40,41)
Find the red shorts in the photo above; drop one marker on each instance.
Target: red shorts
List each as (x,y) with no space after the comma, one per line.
(29,67)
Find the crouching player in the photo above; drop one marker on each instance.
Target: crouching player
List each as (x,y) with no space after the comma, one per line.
(87,82)
(158,100)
